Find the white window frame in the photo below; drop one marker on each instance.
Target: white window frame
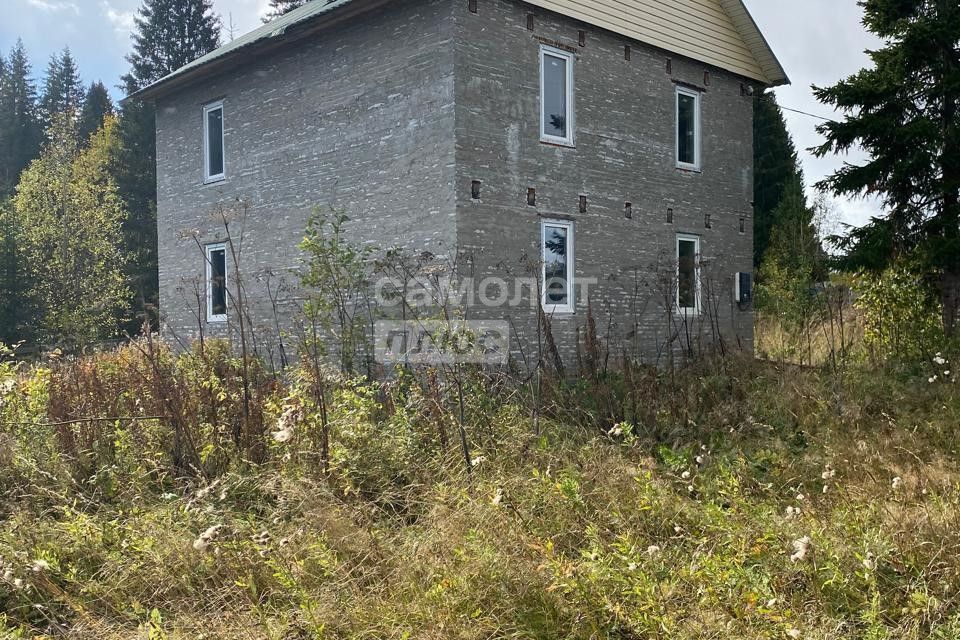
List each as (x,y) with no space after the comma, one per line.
(697,131)
(567,141)
(687,237)
(208,252)
(207,109)
(570,306)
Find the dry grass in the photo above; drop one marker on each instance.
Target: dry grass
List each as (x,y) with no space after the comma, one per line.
(569,534)
(818,342)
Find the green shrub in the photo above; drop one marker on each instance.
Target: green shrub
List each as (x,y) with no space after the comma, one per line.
(901,316)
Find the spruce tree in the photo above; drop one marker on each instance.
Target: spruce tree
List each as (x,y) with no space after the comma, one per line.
(788,254)
(776,166)
(904,112)
(280,7)
(62,89)
(168,35)
(20,130)
(97,105)
(4,118)
(10,306)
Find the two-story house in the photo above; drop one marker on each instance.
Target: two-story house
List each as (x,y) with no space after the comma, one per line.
(602,146)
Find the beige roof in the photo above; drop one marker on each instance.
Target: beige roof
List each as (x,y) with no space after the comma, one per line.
(717,32)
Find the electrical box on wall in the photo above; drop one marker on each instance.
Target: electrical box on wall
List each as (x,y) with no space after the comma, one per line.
(742,287)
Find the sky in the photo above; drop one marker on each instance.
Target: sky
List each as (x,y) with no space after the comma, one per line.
(817,41)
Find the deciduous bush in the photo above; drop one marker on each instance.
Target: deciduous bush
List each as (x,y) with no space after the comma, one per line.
(901,316)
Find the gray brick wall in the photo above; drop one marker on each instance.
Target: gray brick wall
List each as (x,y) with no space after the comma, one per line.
(358,119)
(625,152)
(391,117)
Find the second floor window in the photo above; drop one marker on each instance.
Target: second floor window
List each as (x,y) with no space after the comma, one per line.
(213,157)
(556,96)
(557,248)
(216,283)
(688,129)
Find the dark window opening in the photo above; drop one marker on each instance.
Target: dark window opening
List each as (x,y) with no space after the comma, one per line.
(687,273)
(687,129)
(215,142)
(218,282)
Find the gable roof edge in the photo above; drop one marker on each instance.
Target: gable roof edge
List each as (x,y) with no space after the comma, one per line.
(756,41)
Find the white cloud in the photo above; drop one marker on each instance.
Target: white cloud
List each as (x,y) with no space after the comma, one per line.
(122,21)
(54,5)
(246,15)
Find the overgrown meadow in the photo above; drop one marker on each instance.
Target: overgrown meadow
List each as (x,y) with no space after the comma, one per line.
(729,499)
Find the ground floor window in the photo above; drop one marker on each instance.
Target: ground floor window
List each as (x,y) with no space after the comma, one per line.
(688,273)
(216,283)
(557,255)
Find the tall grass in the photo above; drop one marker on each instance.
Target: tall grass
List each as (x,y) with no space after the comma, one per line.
(731,499)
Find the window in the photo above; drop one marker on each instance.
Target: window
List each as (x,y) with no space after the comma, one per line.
(556,96)
(216,283)
(213,160)
(557,248)
(688,129)
(688,274)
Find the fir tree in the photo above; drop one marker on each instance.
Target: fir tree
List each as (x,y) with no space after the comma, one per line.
(20,131)
(280,7)
(168,35)
(97,105)
(62,89)
(905,112)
